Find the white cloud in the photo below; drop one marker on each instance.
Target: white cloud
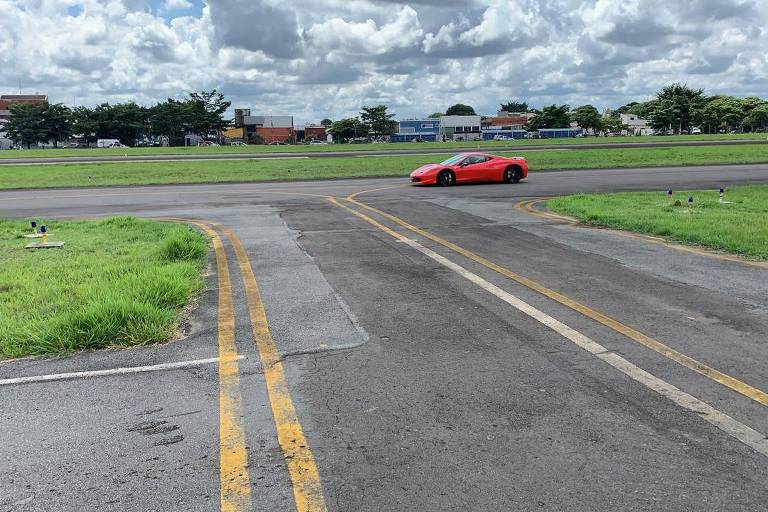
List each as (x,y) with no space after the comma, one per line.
(416,56)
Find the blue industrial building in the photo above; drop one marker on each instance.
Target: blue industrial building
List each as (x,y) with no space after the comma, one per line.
(492,133)
(555,133)
(409,130)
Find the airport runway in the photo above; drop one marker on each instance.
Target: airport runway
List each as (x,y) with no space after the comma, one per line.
(414,149)
(406,348)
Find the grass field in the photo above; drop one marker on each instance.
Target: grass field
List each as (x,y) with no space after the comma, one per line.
(121,282)
(35,153)
(146,173)
(740,227)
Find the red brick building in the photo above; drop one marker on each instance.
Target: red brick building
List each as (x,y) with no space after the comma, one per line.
(6,100)
(506,122)
(270,135)
(315,133)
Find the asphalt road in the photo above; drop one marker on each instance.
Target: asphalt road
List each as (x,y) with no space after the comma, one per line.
(415,150)
(442,350)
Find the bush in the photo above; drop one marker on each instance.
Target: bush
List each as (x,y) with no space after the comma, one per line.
(112,321)
(183,245)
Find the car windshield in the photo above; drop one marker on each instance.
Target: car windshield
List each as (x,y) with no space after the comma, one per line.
(453,160)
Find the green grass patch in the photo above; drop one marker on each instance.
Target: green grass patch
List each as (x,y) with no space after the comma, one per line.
(121,282)
(740,227)
(404,146)
(155,173)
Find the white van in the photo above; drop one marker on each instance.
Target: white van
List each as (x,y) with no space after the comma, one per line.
(109,143)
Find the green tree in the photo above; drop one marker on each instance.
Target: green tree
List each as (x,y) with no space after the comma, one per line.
(84,123)
(588,118)
(643,109)
(756,119)
(624,109)
(326,122)
(515,106)
(754,114)
(171,119)
(26,124)
(553,116)
(378,121)
(611,124)
(206,113)
(349,128)
(677,105)
(721,112)
(460,110)
(435,115)
(57,120)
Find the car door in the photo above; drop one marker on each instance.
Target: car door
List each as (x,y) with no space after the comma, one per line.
(470,169)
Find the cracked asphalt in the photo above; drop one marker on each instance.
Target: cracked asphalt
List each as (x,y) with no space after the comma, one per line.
(416,388)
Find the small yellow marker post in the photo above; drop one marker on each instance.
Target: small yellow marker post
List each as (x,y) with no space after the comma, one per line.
(45,244)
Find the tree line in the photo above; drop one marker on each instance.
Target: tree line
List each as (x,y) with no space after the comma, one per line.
(676,107)
(200,114)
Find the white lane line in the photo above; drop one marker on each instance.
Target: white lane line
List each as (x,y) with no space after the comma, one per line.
(745,434)
(113,371)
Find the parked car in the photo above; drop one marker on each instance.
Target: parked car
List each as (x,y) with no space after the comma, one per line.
(237,143)
(471,167)
(500,137)
(317,142)
(109,143)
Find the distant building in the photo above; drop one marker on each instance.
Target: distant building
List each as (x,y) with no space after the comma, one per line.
(311,132)
(409,130)
(636,125)
(503,134)
(460,127)
(508,120)
(523,115)
(265,129)
(559,133)
(6,100)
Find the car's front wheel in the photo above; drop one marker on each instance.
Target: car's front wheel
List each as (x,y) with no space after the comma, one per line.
(446,179)
(513,174)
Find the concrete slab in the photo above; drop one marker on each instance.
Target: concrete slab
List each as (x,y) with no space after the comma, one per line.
(44,245)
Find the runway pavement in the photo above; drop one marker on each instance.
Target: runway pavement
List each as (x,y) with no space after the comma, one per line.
(366,345)
(415,149)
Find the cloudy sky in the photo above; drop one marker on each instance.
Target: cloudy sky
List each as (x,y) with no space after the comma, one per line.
(325,58)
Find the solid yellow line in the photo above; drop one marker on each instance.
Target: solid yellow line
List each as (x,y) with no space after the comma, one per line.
(307,489)
(355,194)
(726,380)
(235,483)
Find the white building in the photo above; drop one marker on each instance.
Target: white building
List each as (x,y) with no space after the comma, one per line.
(637,126)
(460,127)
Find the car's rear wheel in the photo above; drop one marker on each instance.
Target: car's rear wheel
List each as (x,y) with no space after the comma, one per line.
(446,179)
(513,174)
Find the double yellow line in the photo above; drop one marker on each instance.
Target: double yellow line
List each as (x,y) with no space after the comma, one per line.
(711,373)
(235,483)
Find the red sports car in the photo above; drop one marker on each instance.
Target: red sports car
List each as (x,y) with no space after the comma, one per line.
(469,167)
